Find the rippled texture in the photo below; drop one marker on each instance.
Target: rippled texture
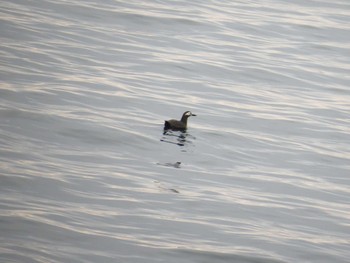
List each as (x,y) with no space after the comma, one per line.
(87,174)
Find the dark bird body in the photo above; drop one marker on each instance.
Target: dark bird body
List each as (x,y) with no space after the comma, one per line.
(180,125)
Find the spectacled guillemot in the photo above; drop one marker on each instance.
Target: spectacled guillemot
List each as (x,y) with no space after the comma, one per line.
(178,125)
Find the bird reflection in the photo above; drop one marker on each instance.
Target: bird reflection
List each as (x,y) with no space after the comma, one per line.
(180,138)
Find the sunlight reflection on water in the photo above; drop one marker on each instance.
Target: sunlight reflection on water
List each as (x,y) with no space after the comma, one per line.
(261,174)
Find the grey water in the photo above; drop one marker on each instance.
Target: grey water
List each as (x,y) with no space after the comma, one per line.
(262,174)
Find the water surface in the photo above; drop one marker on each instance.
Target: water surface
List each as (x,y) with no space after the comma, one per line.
(87,175)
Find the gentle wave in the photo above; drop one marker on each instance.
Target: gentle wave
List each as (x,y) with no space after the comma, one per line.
(261,174)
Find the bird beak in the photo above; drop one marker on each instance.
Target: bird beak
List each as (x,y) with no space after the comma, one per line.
(193,114)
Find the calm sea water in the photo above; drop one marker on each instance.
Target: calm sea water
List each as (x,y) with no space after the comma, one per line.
(87,175)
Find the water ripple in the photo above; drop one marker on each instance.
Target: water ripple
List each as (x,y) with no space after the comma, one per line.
(86,174)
